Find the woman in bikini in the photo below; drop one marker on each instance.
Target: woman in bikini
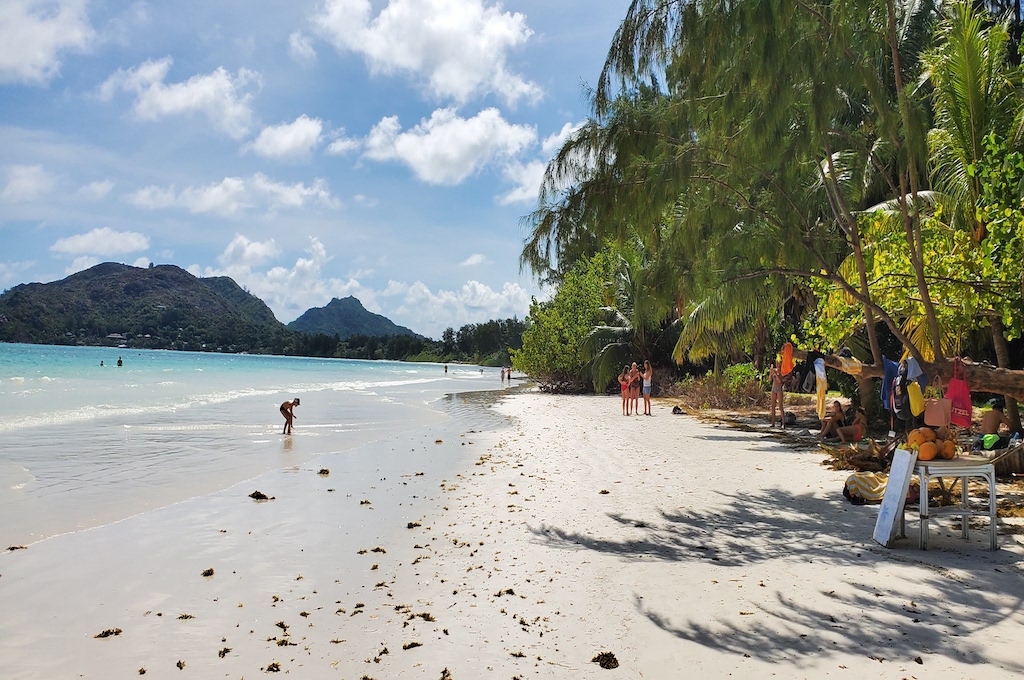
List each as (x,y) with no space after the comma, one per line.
(634,389)
(776,397)
(856,431)
(624,388)
(288,411)
(648,377)
(833,422)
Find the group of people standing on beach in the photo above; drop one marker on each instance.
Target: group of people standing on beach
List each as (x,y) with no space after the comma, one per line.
(631,382)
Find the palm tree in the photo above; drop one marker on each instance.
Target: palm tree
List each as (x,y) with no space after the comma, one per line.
(638,307)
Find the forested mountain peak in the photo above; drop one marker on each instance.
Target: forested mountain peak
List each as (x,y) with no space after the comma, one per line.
(162,306)
(346,317)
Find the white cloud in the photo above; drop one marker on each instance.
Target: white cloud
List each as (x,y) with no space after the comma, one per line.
(289,141)
(473,260)
(224,99)
(25,183)
(235,195)
(365,201)
(552,143)
(527,179)
(459,47)
(431,312)
(80,263)
(242,252)
(141,262)
(446,149)
(103,241)
(9,270)
(122,28)
(97,190)
(343,145)
(33,33)
(289,291)
(300,48)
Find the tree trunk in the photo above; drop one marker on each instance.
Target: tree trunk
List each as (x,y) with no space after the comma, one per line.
(911,222)
(1003,358)
(979,377)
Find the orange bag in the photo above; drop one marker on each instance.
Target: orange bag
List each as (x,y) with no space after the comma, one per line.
(787,358)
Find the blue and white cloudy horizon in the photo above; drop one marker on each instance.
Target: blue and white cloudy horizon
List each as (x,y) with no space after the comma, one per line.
(309,150)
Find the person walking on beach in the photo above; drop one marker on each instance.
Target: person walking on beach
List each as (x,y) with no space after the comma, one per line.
(288,411)
(648,378)
(502,375)
(775,375)
(624,388)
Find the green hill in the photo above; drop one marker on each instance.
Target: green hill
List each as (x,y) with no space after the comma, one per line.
(346,317)
(160,307)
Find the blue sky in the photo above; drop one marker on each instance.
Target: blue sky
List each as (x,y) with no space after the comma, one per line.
(309,150)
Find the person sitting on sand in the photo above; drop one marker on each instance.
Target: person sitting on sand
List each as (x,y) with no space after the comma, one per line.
(833,421)
(648,377)
(288,411)
(991,423)
(624,388)
(856,431)
(775,375)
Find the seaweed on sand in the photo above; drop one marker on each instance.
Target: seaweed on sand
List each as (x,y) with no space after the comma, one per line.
(606,660)
(108,632)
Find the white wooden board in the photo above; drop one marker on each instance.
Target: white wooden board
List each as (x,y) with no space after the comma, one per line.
(888,524)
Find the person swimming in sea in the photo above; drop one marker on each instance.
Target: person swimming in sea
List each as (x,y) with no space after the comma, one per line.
(288,411)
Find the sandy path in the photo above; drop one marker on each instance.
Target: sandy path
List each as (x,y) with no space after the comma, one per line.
(715,553)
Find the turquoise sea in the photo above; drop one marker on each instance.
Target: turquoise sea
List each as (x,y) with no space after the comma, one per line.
(83,445)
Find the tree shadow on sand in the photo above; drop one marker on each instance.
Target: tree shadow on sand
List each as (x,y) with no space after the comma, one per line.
(749,531)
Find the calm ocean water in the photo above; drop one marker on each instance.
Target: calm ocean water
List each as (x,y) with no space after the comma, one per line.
(83,444)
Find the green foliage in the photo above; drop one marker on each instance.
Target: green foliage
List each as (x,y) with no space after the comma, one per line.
(635,314)
(739,386)
(556,330)
(737,376)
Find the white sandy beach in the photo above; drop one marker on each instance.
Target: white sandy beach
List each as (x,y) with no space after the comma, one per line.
(714,553)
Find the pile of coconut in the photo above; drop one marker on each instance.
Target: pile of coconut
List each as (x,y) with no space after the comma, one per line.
(931,444)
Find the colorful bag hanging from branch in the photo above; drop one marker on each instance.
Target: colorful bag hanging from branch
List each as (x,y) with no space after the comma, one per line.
(937,411)
(787,358)
(916,398)
(959,395)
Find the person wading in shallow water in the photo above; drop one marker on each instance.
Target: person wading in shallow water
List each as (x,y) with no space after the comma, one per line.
(288,411)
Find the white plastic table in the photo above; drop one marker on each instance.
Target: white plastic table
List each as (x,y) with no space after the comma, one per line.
(964,469)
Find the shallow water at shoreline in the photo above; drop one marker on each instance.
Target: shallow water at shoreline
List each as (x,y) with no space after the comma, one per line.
(84,446)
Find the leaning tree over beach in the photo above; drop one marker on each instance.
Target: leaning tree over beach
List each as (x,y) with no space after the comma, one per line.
(795,142)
